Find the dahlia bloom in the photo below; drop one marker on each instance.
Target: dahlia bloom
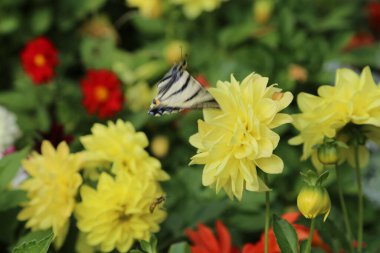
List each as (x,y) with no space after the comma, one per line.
(9,130)
(352,103)
(237,139)
(51,189)
(204,241)
(102,93)
(118,143)
(117,212)
(39,59)
(193,8)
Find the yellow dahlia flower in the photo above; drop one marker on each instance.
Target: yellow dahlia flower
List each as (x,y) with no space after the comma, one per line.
(147,8)
(237,139)
(51,189)
(193,8)
(118,212)
(353,101)
(119,144)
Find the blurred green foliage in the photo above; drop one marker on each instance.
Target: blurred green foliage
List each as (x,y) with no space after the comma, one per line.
(308,37)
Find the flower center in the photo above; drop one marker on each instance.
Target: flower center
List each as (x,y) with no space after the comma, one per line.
(101,93)
(122,215)
(39,60)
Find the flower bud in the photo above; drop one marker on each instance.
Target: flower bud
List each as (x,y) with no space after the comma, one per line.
(328,153)
(313,201)
(175,51)
(262,11)
(160,146)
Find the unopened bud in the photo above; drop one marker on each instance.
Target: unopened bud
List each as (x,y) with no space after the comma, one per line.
(313,201)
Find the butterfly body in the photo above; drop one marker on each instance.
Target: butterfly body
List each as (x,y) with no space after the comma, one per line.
(178,90)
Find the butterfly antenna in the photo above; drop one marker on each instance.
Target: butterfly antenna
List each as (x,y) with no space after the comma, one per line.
(183,59)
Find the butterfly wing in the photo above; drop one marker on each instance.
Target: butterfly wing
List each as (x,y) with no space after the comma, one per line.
(178,90)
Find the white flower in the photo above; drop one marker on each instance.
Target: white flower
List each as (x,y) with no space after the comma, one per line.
(9,130)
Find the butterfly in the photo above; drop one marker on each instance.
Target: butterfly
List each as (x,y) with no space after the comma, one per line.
(178,90)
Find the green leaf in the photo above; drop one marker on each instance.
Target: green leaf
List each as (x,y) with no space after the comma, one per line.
(16,100)
(9,224)
(286,235)
(151,246)
(34,242)
(135,251)
(145,246)
(303,246)
(9,166)
(10,199)
(8,23)
(236,34)
(322,177)
(41,20)
(181,247)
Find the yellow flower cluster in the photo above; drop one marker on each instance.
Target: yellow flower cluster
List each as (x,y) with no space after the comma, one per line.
(237,139)
(123,147)
(114,214)
(193,8)
(353,101)
(117,212)
(51,189)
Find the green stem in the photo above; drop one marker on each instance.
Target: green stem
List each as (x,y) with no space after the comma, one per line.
(344,209)
(309,240)
(360,199)
(267,215)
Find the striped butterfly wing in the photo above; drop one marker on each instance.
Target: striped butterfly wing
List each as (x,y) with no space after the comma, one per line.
(178,90)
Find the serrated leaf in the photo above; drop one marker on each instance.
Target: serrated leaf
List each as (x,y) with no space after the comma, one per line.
(181,247)
(286,235)
(9,166)
(34,242)
(10,199)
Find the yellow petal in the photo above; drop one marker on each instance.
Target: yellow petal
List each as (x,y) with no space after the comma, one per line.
(271,165)
(280,119)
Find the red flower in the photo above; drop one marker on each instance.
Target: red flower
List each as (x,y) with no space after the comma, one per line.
(373,10)
(204,240)
(202,80)
(302,232)
(359,40)
(39,58)
(102,93)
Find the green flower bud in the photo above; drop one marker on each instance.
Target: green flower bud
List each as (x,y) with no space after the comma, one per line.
(313,201)
(328,153)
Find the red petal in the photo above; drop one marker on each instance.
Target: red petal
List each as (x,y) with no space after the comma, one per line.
(194,237)
(224,237)
(208,239)
(250,248)
(291,217)
(197,249)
